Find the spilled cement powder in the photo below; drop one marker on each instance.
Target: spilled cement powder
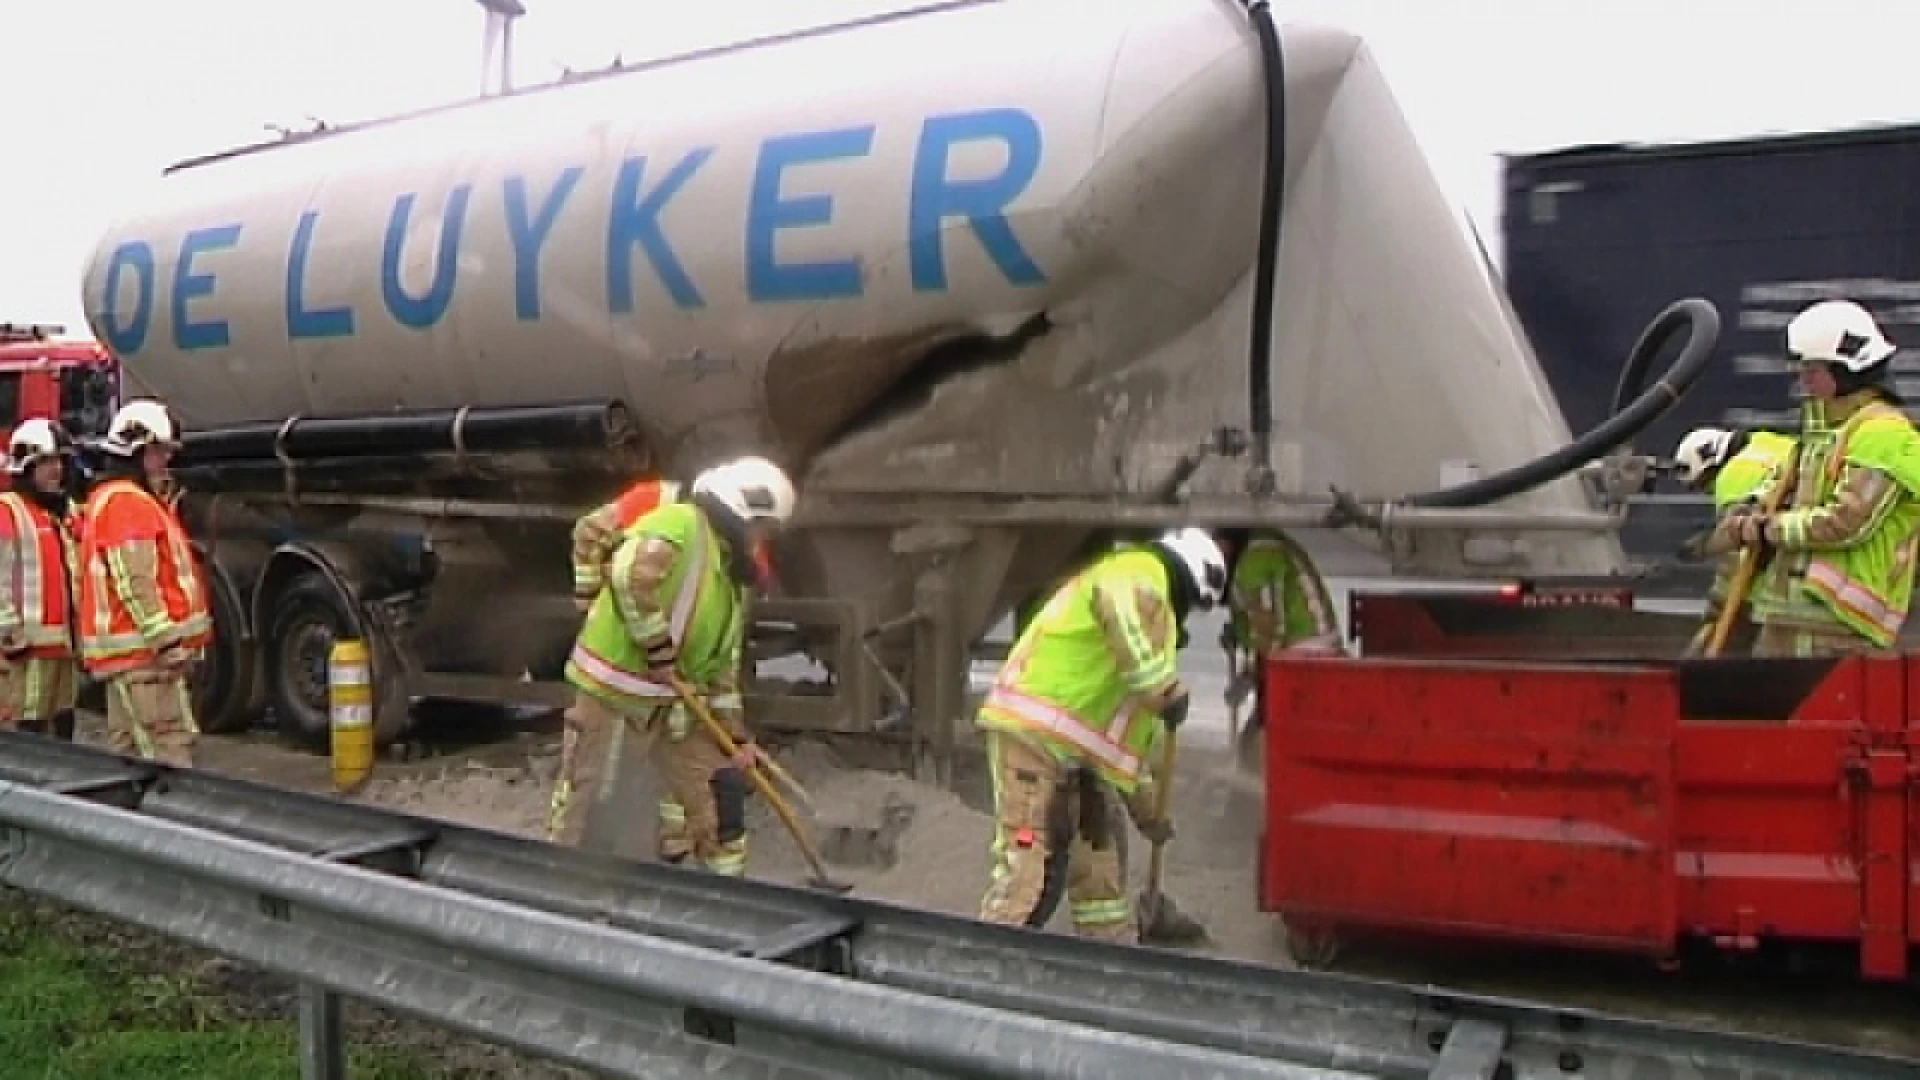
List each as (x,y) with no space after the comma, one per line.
(941,855)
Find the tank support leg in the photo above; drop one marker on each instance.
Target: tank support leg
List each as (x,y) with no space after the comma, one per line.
(940,667)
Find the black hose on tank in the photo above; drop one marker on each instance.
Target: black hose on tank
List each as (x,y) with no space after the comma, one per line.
(1267,263)
(1702,321)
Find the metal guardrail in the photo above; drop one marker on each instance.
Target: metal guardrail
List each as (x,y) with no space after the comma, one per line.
(646,970)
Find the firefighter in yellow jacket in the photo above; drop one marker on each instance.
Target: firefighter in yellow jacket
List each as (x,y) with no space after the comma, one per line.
(39,647)
(1091,683)
(597,533)
(1842,550)
(144,619)
(1735,466)
(1278,602)
(675,602)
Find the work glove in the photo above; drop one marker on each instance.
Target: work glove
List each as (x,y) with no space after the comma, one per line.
(748,752)
(1751,530)
(663,661)
(1157,832)
(177,659)
(1174,713)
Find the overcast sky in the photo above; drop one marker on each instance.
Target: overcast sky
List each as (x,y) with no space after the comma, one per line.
(93,92)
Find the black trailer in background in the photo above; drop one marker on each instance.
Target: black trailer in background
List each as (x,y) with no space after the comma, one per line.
(1599,238)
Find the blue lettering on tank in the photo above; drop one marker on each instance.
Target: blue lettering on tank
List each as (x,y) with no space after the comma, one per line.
(421,312)
(126,338)
(528,233)
(636,220)
(636,227)
(303,321)
(212,333)
(935,198)
(768,212)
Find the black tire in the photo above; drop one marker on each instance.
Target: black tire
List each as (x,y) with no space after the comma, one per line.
(1061,830)
(223,681)
(309,615)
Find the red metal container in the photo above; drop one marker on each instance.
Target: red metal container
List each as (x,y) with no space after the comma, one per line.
(1624,805)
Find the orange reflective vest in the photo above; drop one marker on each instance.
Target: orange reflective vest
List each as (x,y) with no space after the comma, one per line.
(642,499)
(37,576)
(114,638)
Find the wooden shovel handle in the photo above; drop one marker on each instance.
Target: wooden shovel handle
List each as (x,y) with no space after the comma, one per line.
(1749,567)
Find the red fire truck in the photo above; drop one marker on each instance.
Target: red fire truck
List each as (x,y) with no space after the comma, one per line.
(43,373)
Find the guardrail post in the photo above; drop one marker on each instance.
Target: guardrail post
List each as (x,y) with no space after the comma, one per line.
(322,1053)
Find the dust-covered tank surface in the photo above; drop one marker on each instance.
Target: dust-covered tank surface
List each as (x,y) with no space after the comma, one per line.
(995,252)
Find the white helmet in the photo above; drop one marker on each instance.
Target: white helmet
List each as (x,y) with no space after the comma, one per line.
(32,440)
(1703,449)
(1201,557)
(752,487)
(138,424)
(1837,332)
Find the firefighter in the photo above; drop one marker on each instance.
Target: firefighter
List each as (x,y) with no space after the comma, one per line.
(1278,603)
(1090,689)
(144,619)
(1735,466)
(1842,547)
(675,603)
(38,650)
(597,533)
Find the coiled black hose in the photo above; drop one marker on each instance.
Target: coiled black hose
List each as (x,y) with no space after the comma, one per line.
(1702,321)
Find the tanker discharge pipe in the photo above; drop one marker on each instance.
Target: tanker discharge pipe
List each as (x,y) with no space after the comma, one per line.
(1260,479)
(1702,321)
(1627,420)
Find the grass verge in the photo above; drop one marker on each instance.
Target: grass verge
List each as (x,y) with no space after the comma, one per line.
(83,998)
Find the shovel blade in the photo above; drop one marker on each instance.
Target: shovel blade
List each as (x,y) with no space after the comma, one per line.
(1163,923)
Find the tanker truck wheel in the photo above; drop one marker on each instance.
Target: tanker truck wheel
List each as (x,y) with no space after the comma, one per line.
(308,617)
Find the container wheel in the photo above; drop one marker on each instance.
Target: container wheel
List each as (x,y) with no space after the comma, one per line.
(1312,946)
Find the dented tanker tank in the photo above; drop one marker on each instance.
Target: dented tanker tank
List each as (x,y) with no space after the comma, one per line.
(958,256)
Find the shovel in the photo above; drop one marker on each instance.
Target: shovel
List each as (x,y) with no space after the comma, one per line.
(1749,567)
(1234,696)
(1161,921)
(698,705)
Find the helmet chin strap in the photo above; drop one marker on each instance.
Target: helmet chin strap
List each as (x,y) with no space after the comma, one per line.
(733,529)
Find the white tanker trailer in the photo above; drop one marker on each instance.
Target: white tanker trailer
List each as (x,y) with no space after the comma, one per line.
(979,272)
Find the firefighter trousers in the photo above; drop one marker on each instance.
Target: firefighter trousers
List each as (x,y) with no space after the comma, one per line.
(702,807)
(150,713)
(1028,782)
(37,695)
